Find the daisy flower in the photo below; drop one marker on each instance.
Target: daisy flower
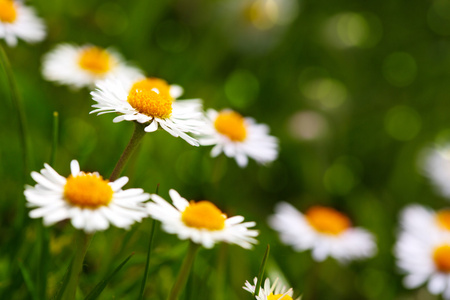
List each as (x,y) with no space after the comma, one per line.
(437,167)
(425,259)
(239,137)
(19,21)
(270,292)
(202,222)
(150,101)
(82,66)
(324,230)
(88,200)
(423,222)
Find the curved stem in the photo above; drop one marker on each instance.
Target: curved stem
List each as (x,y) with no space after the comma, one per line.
(136,138)
(184,271)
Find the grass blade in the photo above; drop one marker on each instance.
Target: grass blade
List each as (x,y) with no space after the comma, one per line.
(147,262)
(27,279)
(54,137)
(96,291)
(17,102)
(261,271)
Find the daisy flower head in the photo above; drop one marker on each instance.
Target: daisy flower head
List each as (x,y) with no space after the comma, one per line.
(82,66)
(324,230)
(425,260)
(239,137)
(276,291)
(436,167)
(19,21)
(150,101)
(424,222)
(202,222)
(88,200)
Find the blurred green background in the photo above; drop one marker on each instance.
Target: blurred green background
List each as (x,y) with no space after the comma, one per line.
(354,90)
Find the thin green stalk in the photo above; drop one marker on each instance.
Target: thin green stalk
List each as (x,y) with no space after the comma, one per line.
(17,103)
(184,271)
(54,137)
(136,138)
(77,264)
(147,262)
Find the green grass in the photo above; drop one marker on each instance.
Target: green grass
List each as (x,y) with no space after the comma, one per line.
(364,163)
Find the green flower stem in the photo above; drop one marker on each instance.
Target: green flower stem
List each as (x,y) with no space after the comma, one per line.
(77,264)
(184,271)
(17,103)
(136,138)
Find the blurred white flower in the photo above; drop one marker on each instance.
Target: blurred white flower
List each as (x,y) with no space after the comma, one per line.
(275,291)
(202,222)
(324,230)
(437,167)
(239,137)
(82,66)
(423,249)
(90,201)
(19,21)
(150,101)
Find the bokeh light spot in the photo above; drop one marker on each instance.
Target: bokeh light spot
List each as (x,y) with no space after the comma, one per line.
(402,123)
(438,17)
(308,125)
(329,93)
(400,69)
(351,29)
(241,88)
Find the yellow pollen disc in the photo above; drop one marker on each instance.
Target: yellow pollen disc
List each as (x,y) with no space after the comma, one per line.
(87,190)
(443,218)
(278,296)
(146,97)
(95,60)
(153,83)
(203,215)
(441,257)
(8,13)
(232,125)
(327,220)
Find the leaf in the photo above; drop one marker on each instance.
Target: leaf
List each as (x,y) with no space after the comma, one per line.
(261,271)
(96,291)
(28,282)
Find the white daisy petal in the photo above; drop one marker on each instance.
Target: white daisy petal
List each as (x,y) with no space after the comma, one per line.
(89,201)
(268,290)
(83,66)
(186,220)
(149,101)
(238,137)
(323,230)
(20,21)
(423,248)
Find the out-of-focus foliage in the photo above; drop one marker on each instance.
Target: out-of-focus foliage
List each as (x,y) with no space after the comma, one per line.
(354,90)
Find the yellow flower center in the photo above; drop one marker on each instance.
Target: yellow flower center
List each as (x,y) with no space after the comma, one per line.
(327,220)
(441,257)
(95,60)
(232,125)
(203,215)
(87,191)
(151,97)
(8,13)
(278,296)
(443,218)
